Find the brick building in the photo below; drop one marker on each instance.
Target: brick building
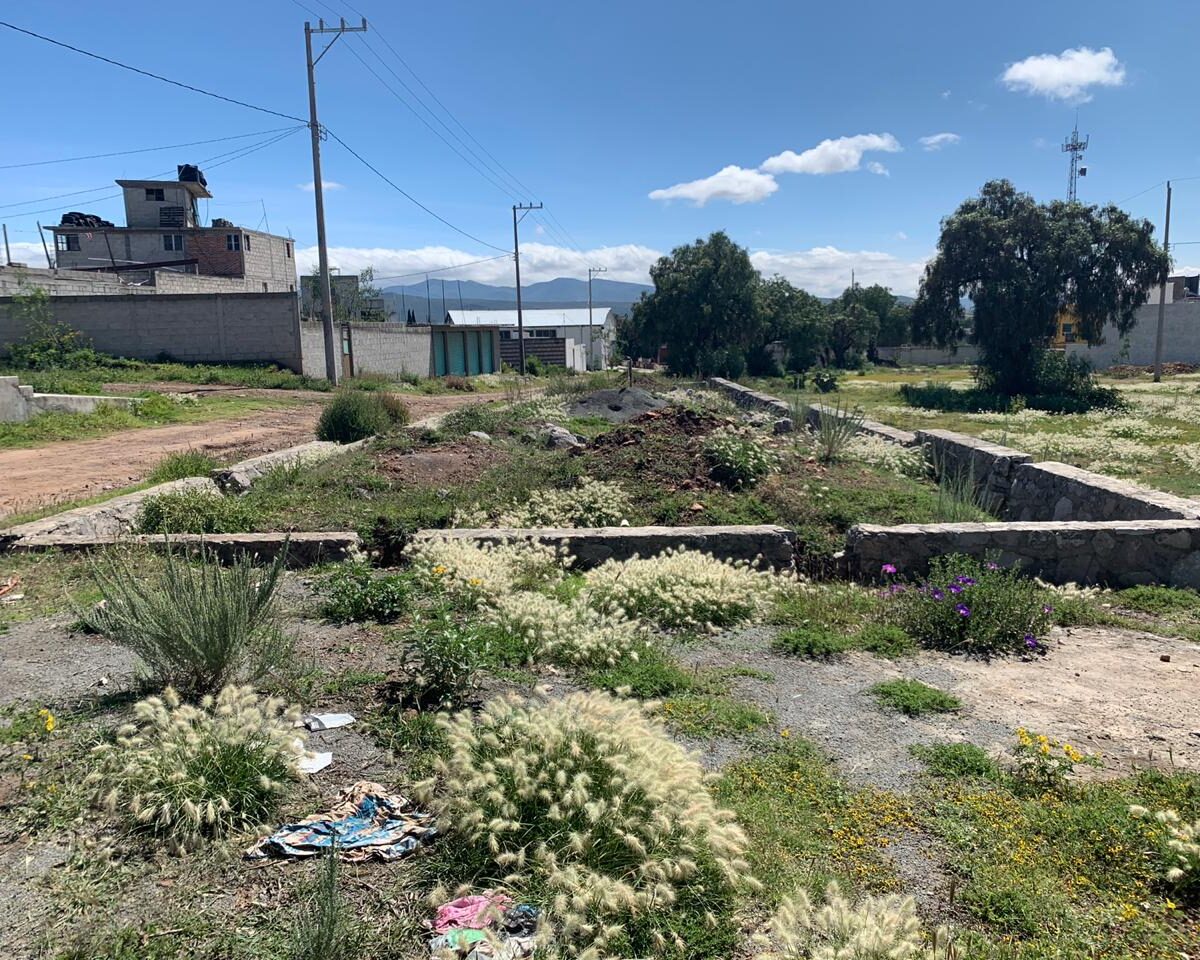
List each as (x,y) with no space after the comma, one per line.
(163,232)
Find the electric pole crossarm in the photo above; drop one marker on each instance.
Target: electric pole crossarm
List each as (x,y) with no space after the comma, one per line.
(324,291)
(526,207)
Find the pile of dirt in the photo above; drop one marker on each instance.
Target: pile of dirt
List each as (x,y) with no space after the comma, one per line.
(448,466)
(658,448)
(1127,371)
(616,406)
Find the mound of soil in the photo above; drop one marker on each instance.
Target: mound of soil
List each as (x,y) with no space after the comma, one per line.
(1126,370)
(616,406)
(661,449)
(447,466)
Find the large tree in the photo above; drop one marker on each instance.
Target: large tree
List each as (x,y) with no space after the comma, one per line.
(1021,263)
(854,320)
(702,308)
(794,317)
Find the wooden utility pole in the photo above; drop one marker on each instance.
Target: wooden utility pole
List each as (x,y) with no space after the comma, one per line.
(517,262)
(1162,292)
(591,272)
(324,287)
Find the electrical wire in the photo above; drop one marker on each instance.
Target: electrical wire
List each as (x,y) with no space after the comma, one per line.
(231,155)
(147,73)
(404,193)
(457,266)
(125,153)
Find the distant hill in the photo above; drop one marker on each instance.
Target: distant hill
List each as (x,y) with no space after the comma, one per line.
(559,293)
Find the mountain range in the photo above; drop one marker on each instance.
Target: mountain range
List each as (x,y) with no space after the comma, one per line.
(559,293)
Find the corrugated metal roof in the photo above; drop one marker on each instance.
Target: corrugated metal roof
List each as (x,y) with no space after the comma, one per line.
(571,317)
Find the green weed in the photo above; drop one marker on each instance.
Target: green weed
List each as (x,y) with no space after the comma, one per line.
(913,698)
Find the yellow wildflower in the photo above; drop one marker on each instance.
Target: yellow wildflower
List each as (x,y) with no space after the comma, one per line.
(47,719)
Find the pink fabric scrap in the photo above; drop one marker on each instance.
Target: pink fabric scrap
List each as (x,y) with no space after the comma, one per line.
(477,912)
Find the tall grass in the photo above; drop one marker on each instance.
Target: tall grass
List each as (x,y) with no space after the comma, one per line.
(324,930)
(837,426)
(196,626)
(185,463)
(960,497)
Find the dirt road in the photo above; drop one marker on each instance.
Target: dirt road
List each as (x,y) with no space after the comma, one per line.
(78,469)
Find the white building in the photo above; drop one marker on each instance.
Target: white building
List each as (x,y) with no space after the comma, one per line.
(567,324)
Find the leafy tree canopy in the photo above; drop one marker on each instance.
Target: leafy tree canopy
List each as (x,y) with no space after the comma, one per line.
(1021,263)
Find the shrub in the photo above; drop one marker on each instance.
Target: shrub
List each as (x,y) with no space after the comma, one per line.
(738,458)
(956,760)
(353,593)
(195,627)
(196,511)
(589,802)
(566,633)
(837,428)
(875,928)
(47,345)
(826,381)
(1044,765)
(352,415)
(186,463)
(680,589)
(1180,847)
(913,698)
(395,408)
(462,384)
(592,503)
(811,641)
(972,607)
(442,661)
(477,571)
(186,772)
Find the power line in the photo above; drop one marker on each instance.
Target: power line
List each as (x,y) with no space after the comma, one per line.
(457,266)
(147,73)
(125,153)
(231,155)
(404,193)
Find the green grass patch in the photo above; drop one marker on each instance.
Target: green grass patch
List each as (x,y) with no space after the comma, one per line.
(957,761)
(711,716)
(885,640)
(186,463)
(1161,601)
(813,642)
(196,511)
(806,826)
(913,698)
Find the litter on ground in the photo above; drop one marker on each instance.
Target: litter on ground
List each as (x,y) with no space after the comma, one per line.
(366,823)
(487,926)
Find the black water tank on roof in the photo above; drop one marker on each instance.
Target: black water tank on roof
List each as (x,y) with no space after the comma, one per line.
(190,173)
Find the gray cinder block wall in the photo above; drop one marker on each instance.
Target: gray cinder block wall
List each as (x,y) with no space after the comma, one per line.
(391,348)
(194,328)
(1181,338)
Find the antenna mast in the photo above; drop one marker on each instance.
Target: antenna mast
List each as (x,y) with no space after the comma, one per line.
(1075,147)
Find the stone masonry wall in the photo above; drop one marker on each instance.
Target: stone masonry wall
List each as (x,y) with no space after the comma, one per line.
(745,397)
(1058,491)
(989,464)
(1117,554)
(881,430)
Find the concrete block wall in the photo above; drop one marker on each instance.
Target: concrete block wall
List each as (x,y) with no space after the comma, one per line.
(914,356)
(312,349)
(1181,338)
(1057,491)
(391,349)
(195,328)
(1114,554)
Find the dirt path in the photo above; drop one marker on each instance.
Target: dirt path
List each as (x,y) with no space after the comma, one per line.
(77,469)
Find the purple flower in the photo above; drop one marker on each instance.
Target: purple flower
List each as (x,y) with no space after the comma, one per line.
(956,588)
(992,566)
(888,568)
(962,610)
(1046,608)
(936,593)
(1031,641)
(894,588)
(965,580)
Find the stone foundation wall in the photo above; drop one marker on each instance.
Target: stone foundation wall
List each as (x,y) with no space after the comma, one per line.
(1057,491)
(881,430)
(989,464)
(1114,554)
(745,397)
(766,545)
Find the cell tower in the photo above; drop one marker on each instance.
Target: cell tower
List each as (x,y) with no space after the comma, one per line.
(1075,147)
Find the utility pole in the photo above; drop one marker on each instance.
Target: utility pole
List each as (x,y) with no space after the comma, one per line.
(45,249)
(443,298)
(1162,292)
(428,302)
(517,262)
(324,287)
(591,272)
(7,254)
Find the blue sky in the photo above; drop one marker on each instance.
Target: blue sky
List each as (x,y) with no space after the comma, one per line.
(616,118)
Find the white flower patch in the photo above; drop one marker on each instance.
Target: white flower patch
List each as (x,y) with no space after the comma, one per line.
(880,453)
(681,589)
(566,633)
(702,401)
(481,570)
(1182,844)
(593,503)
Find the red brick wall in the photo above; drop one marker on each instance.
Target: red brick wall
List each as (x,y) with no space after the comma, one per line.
(208,247)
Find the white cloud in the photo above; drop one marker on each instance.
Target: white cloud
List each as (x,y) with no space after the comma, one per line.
(30,254)
(832,156)
(945,94)
(821,270)
(935,141)
(1066,75)
(825,271)
(901,235)
(877,168)
(733,183)
(325,184)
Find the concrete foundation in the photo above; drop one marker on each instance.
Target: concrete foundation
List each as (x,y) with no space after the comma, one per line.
(241,476)
(18,403)
(303,549)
